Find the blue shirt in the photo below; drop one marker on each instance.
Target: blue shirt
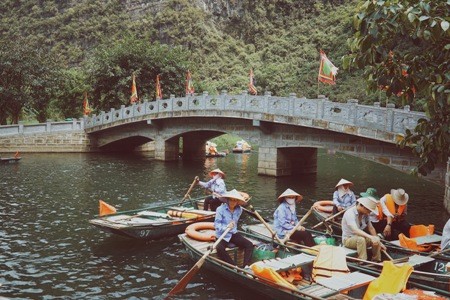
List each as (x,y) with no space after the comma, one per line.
(345,201)
(284,220)
(224,216)
(216,186)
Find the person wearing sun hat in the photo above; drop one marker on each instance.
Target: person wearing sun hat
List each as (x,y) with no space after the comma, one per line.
(374,218)
(285,219)
(227,216)
(343,197)
(394,206)
(217,187)
(354,222)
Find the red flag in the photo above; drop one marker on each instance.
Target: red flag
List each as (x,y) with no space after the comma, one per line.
(327,71)
(158,88)
(134,97)
(189,86)
(251,85)
(105,208)
(86,108)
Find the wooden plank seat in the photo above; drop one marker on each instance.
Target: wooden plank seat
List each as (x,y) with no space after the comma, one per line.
(192,210)
(421,240)
(287,263)
(346,282)
(127,219)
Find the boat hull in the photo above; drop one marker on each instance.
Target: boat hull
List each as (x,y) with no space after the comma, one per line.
(126,223)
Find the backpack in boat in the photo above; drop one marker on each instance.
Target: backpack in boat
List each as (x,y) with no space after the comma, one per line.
(330,261)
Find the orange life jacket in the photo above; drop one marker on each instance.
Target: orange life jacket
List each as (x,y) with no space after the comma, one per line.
(390,204)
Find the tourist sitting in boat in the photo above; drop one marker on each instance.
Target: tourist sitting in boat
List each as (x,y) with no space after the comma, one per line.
(227,216)
(394,207)
(374,218)
(354,221)
(343,197)
(285,219)
(217,187)
(211,148)
(445,242)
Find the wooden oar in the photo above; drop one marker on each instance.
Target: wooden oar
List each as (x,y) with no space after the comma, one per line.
(265,224)
(331,217)
(288,235)
(189,190)
(186,278)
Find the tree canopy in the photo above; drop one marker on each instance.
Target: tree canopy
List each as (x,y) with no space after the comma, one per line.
(404,48)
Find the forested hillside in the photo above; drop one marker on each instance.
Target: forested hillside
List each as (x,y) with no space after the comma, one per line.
(68,47)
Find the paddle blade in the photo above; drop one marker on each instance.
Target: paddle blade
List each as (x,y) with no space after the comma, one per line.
(181,285)
(105,208)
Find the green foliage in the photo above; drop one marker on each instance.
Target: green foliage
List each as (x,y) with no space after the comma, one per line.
(111,68)
(28,79)
(404,48)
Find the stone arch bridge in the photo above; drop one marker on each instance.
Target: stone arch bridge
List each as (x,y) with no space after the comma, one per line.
(288,130)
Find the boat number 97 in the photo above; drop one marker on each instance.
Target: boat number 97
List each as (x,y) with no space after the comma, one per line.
(144,233)
(439,267)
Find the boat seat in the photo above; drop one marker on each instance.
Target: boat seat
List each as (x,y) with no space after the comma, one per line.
(287,263)
(417,260)
(192,210)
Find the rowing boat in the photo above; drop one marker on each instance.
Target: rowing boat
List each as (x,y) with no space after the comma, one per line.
(156,222)
(425,275)
(9,159)
(263,277)
(322,210)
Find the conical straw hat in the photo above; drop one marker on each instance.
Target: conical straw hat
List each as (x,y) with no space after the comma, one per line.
(234,194)
(216,171)
(342,182)
(291,193)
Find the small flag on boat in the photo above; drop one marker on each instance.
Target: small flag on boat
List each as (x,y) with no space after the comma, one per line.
(158,89)
(189,85)
(86,107)
(327,71)
(251,85)
(134,97)
(105,208)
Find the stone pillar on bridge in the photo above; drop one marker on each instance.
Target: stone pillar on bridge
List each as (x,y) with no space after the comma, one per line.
(166,150)
(287,161)
(194,148)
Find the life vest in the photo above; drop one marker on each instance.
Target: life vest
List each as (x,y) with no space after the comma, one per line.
(331,261)
(271,275)
(390,204)
(392,280)
(420,230)
(408,243)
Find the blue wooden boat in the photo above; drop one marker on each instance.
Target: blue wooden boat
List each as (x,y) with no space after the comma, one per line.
(154,223)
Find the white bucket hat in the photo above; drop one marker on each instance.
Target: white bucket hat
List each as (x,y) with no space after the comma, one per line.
(234,194)
(290,193)
(370,203)
(400,197)
(343,181)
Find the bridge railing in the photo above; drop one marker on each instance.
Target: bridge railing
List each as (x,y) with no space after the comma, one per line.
(387,118)
(48,127)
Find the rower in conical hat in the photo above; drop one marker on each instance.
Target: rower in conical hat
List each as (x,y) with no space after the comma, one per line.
(285,219)
(343,197)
